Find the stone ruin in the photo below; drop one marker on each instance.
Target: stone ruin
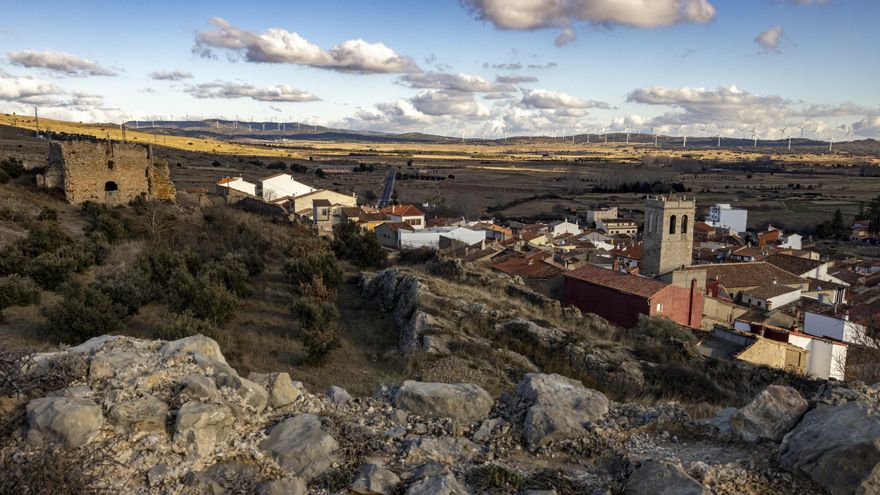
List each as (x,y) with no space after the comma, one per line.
(106,172)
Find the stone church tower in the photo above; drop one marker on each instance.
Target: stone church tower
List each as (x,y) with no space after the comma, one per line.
(668,234)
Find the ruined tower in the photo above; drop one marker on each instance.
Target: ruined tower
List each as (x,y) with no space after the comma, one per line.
(106,172)
(668,234)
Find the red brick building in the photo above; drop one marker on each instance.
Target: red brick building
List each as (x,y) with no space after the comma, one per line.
(620,298)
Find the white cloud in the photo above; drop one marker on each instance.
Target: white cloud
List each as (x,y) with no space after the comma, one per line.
(21,93)
(770,39)
(453,82)
(545,99)
(564,14)
(279,46)
(868,126)
(24,88)
(515,79)
(231,90)
(170,75)
(59,62)
(439,103)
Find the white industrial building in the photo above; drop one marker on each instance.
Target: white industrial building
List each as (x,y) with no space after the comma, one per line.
(727,217)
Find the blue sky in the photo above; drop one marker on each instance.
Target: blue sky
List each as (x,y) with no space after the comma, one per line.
(694,66)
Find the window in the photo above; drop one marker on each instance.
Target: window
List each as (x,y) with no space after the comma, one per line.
(659,308)
(672,224)
(110,186)
(684,224)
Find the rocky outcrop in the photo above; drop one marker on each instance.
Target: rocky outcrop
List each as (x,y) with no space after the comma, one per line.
(398,293)
(462,401)
(70,421)
(837,446)
(770,415)
(301,447)
(662,478)
(181,420)
(559,407)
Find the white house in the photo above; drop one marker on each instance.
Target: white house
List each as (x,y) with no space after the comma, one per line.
(603,213)
(421,238)
(238,184)
(407,214)
(564,227)
(836,328)
(770,296)
(466,236)
(282,185)
(725,216)
(791,241)
(826,358)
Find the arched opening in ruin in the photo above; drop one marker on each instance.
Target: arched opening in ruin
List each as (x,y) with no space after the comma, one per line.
(672,224)
(110,186)
(684,224)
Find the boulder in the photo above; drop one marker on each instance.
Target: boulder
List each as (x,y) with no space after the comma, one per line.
(301,447)
(838,447)
(288,486)
(282,391)
(721,420)
(559,408)
(142,415)
(487,428)
(445,450)
(662,478)
(71,421)
(435,478)
(198,387)
(79,391)
(199,427)
(463,402)
(374,479)
(338,395)
(196,344)
(770,415)
(252,394)
(91,346)
(108,364)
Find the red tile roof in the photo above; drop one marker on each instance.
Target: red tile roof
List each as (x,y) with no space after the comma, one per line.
(631,252)
(527,267)
(403,211)
(628,284)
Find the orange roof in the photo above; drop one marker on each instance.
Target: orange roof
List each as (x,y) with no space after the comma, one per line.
(227,180)
(621,282)
(703,227)
(631,252)
(527,267)
(403,211)
(397,226)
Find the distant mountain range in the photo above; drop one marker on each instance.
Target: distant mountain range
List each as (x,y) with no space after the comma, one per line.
(277,131)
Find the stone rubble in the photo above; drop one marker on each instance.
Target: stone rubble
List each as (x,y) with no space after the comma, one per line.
(179,419)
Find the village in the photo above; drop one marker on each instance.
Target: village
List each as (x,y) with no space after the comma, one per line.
(763,297)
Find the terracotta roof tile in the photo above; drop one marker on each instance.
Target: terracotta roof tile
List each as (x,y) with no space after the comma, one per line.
(621,282)
(793,264)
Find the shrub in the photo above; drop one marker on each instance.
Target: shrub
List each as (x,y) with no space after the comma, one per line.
(181,325)
(360,247)
(317,328)
(230,271)
(661,340)
(52,269)
(48,215)
(492,478)
(12,167)
(210,301)
(106,221)
(16,290)
(127,289)
(4,176)
(82,313)
(304,269)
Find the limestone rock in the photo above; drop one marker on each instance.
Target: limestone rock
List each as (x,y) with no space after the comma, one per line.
(464,402)
(289,486)
(374,479)
(338,395)
(79,391)
(837,446)
(662,478)
(721,420)
(254,395)
(445,450)
(487,428)
(435,478)
(770,415)
(200,427)
(301,447)
(91,346)
(107,365)
(142,415)
(71,421)
(559,408)
(196,344)
(198,387)
(282,391)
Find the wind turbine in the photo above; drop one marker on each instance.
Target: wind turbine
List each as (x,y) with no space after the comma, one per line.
(802,130)
(684,138)
(719,140)
(831,144)
(605,132)
(627,135)
(755,137)
(654,133)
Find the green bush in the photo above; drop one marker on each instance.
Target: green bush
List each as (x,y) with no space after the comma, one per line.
(317,328)
(48,215)
(51,269)
(211,301)
(106,221)
(303,270)
(230,271)
(661,340)
(4,176)
(12,167)
(360,247)
(16,290)
(492,478)
(126,288)
(181,325)
(82,313)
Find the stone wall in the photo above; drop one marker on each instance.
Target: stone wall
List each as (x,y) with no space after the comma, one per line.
(106,172)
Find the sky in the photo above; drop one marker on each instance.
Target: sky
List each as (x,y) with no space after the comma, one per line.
(478,68)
